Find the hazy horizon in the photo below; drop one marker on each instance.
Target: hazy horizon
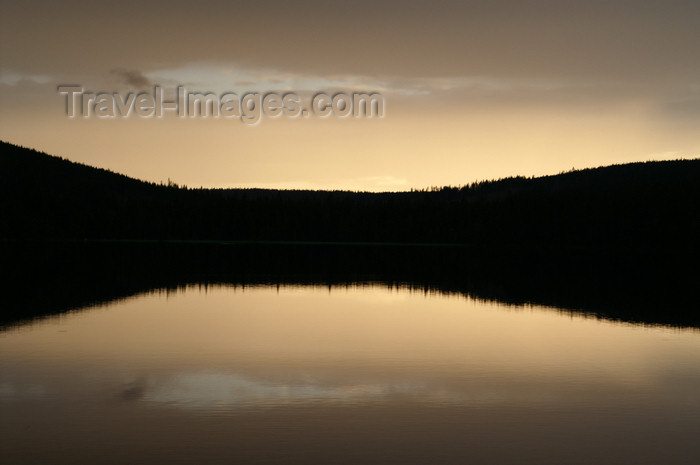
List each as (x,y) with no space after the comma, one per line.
(473,90)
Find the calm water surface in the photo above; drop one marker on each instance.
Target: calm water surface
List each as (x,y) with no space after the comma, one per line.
(357,375)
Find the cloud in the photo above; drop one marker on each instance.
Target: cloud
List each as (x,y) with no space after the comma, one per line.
(630,40)
(133,78)
(15,78)
(687,108)
(382,181)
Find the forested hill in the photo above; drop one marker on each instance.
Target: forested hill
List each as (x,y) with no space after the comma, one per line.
(653,204)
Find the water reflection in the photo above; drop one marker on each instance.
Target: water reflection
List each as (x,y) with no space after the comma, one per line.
(638,288)
(364,374)
(219,390)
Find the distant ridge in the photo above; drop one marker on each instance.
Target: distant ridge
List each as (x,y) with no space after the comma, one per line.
(618,242)
(637,204)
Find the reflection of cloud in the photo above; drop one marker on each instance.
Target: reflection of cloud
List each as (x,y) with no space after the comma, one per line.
(6,390)
(231,391)
(202,390)
(11,392)
(134,391)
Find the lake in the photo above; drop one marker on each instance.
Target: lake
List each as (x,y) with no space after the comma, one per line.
(344,374)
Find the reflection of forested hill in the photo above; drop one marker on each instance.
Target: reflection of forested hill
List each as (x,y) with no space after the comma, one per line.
(640,204)
(51,278)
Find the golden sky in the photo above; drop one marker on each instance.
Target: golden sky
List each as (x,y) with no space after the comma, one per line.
(473,89)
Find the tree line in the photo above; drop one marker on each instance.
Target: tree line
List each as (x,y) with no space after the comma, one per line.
(637,204)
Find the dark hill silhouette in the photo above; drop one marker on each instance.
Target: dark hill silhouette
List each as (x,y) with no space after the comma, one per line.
(618,242)
(652,204)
